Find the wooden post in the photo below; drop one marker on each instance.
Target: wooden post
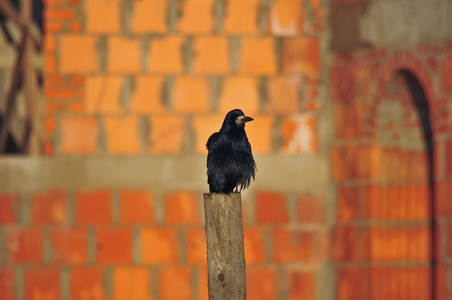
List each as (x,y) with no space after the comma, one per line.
(225,249)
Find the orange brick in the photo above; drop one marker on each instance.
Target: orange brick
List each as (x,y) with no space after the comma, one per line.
(239,92)
(25,245)
(53,81)
(348,204)
(79,135)
(78,54)
(50,208)
(53,27)
(122,135)
(191,95)
(301,285)
(42,284)
(195,240)
(102,16)
(271,208)
(310,210)
(87,283)
(50,43)
(69,246)
(147,95)
(301,56)
(75,27)
(136,207)
(165,55)
(7,283)
(292,246)
(149,16)
(49,125)
(9,208)
(286,17)
(257,56)
(347,279)
(259,133)
(53,94)
(241,17)
(445,71)
(50,64)
(175,283)
(182,208)
(114,246)
(203,128)
(159,246)
(166,134)
(123,55)
(196,16)
(254,245)
(103,94)
(53,107)
(93,207)
(283,95)
(299,135)
(48,147)
(203,289)
(262,284)
(131,283)
(76,107)
(58,14)
(211,55)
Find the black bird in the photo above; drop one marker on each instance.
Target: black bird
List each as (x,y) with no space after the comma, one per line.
(230,163)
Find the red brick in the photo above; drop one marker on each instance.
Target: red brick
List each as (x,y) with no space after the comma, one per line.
(146,97)
(291,246)
(122,135)
(136,207)
(271,208)
(102,16)
(350,120)
(211,55)
(191,95)
(448,157)
(50,208)
(257,56)
(165,55)
(260,134)
(311,209)
(69,246)
(203,290)
(42,284)
(25,245)
(123,55)
(240,92)
(175,283)
(196,16)
(348,204)
(448,229)
(301,56)
(79,135)
(347,287)
(131,283)
(441,286)
(345,243)
(159,246)
(103,94)
(195,239)
(445,71)
(203,127)
(87,283)
(182,208)
(254,246)
(49,125)
(301,285)
(241,17)
(149,16)
(58,14)
(283,95)
(167,134)
(262,284)
(363,162)
(9,208)
(7,284)
(299,135)
(286,17)
(78,54)
(93,207)
(75,27)
(114,246)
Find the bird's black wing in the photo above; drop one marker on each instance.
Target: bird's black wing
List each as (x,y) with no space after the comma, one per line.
(212,140)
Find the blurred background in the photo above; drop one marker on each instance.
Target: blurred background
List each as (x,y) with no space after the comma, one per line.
(106,106)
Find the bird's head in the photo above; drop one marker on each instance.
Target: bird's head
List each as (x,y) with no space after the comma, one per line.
(235,118)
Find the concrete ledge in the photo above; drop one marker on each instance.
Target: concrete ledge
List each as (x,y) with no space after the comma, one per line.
(157,173)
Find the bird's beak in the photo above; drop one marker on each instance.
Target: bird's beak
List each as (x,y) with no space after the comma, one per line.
(243,119)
